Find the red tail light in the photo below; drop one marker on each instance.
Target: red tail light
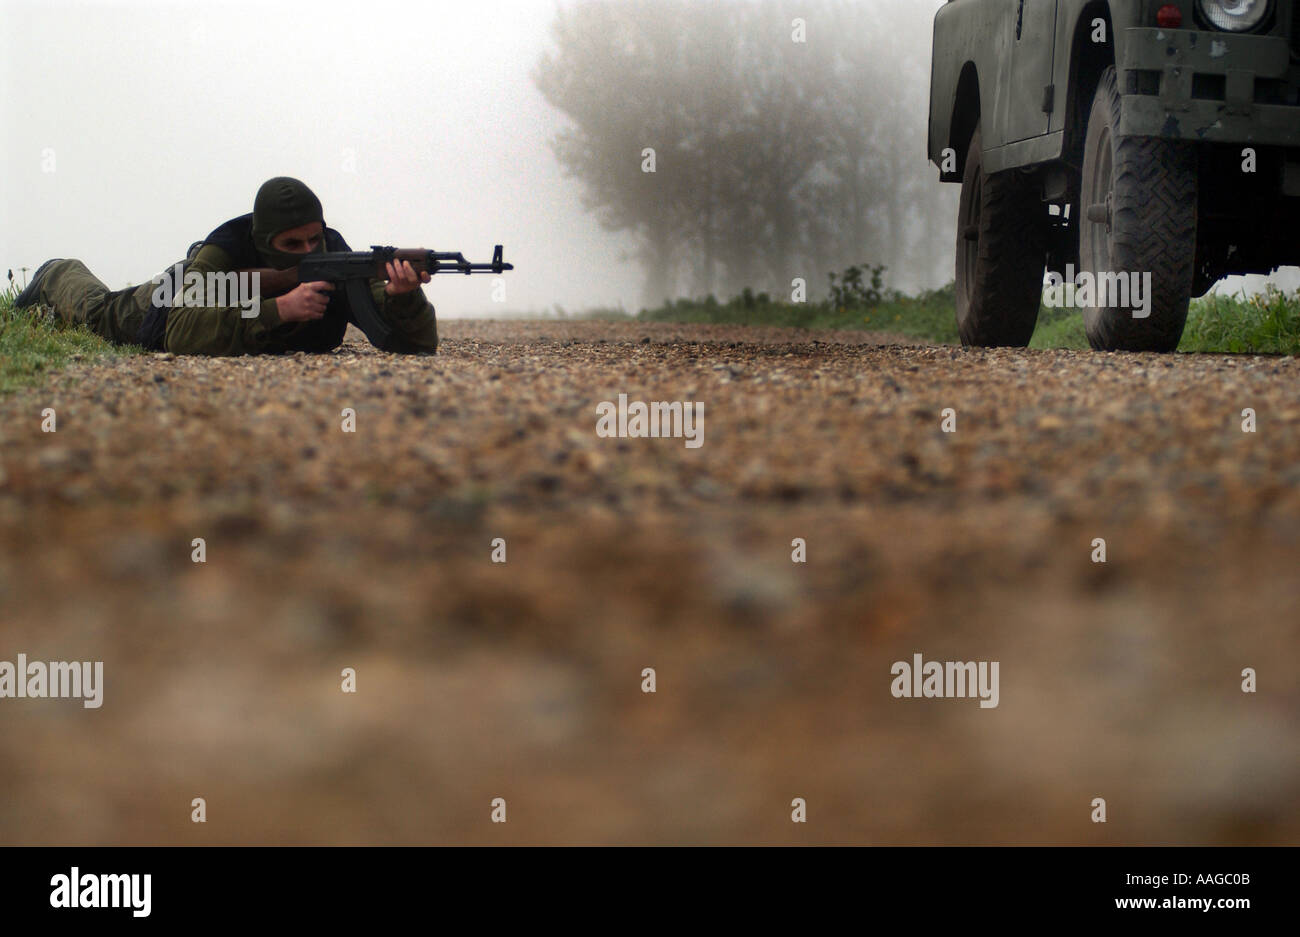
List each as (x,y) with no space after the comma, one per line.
(1169,16)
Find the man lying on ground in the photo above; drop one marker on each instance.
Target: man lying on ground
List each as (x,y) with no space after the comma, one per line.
(286,223)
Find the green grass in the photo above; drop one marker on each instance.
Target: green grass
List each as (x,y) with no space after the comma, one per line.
(32,346)
(1268,323)
(1057,328)
(926,315)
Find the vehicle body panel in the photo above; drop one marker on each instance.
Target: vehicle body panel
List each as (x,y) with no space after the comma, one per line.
(1190,83)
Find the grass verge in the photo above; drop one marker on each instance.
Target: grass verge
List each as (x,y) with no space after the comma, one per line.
(32,345)
(1268,323)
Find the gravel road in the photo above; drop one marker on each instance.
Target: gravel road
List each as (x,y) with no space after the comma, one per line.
(522,680)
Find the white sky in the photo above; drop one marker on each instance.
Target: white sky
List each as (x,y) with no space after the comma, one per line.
(163,118)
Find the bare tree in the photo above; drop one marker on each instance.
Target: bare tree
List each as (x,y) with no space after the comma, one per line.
(774,158)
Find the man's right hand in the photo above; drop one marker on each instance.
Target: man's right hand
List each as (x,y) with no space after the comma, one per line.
(305,302)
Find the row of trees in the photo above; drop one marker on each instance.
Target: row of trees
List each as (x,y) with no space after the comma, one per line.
(789,140)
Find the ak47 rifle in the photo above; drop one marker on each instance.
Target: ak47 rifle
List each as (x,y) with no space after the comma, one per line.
(354,270)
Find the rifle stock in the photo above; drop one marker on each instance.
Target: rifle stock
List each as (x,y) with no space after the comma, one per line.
(274,282)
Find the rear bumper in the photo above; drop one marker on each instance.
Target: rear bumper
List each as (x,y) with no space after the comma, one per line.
(1191,85)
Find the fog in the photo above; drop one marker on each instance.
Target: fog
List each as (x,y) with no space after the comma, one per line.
(132,129)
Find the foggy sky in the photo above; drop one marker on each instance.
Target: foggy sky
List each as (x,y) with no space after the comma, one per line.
(163,118)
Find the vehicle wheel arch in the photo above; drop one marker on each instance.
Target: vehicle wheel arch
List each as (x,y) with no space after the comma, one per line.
(966,110)
(1088,61)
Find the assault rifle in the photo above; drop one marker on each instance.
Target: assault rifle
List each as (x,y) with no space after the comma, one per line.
(355,268)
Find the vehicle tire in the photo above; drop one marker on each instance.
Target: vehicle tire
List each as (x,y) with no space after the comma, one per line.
(1001,253)
(1138,215)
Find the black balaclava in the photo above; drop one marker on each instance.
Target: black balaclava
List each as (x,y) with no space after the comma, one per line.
(283,203)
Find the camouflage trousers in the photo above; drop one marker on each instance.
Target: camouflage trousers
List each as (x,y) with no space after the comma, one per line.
(79,296)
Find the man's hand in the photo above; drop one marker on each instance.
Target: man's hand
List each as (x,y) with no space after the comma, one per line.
(305,302)
(402,278)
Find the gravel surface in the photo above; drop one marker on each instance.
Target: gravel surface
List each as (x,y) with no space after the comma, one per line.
(372,550)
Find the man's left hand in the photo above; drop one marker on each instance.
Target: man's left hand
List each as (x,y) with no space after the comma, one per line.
(402,278)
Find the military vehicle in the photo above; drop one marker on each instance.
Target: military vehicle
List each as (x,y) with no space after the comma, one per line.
(1113,143)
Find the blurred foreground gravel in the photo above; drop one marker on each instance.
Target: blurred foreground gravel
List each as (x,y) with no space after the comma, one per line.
(522,680)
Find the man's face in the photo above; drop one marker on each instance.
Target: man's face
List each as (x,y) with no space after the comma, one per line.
(300,240)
